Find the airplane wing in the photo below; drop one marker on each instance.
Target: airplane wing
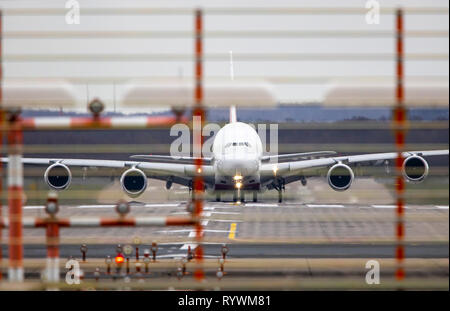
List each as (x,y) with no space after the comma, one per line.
(151,168)
(287,168)
(167,158)
(297,156)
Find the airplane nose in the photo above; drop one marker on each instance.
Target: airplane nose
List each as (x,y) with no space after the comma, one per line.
(234,166)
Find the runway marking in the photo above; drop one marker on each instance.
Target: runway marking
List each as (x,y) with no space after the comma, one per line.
(225,220)
(442,206)
(387,206)
(214,207)
(190,230)
(97,206)
(183,256)
(132,205)
(232,233)
(163,205)
(207,214)
(34,207)
(326,205)
(205,222)
(261,205)
(187,245)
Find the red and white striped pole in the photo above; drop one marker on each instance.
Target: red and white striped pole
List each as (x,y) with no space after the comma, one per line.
(52,235)
(15,183)
(399,125)
(96,222)
(1,142)
(198,119)
(52,238)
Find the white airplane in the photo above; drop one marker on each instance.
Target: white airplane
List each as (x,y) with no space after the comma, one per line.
(237,164)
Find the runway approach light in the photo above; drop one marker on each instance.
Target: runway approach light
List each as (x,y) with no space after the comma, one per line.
(96,107)
(52,206)
(123,208)
(176,93)
(119,259)
(38,93)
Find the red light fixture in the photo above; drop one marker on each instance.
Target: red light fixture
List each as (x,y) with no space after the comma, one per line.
(119,259)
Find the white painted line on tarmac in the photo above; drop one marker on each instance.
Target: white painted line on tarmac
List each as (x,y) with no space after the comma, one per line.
(442,206)
(190,230)
(34,207)
(187,245)
(260,205)
(225,220)
(387,206)
(176,256)
(214,207)
(326,205)
(384,206)
(162,205)
(97,206)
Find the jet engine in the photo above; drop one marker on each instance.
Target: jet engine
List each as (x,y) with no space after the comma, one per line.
(340,177)
(415,168)
(133,182)
(58,176)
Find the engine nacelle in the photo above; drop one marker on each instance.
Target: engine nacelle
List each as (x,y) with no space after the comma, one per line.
(133,182)
(340,177)
(58,176)
(415,168)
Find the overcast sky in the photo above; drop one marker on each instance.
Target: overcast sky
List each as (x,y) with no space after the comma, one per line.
(223,45)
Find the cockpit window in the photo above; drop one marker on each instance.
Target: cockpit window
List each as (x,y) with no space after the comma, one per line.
(246,144)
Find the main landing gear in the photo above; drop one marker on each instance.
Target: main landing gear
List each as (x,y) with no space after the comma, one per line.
(279,185)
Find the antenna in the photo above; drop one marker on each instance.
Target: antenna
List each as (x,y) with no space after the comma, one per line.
(233,114)
(231,66)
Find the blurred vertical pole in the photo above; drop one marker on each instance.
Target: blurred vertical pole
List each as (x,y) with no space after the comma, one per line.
(52,235)
(198,121)
(1,142)
(15,183)
(399,126)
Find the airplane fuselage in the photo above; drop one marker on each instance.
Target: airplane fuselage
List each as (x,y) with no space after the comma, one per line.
(237,151)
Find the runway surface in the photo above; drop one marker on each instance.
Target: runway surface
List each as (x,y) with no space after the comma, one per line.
(271,245)
(259,230)
(339,250)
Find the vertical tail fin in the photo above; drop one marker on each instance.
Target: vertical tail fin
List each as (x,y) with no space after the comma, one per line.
(233,117)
